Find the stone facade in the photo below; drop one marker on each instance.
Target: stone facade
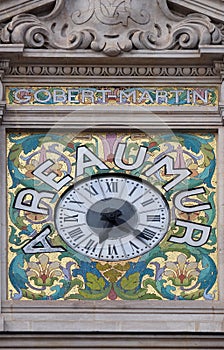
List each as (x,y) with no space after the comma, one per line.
(147,45)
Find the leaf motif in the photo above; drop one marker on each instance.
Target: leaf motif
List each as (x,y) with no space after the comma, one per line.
(11,96)
(213,97)
(112,275)
(151,296)
(121,267)
(103,267)
(33,296)
(193,296)
(14,154)
(30,144)
(192,143)
(76,282)
(131,282)
(208,153)
(13,238)
(93,282)
(149,281)
(172,247)
(93,295)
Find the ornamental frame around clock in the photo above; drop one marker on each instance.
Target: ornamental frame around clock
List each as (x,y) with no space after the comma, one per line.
(130,278)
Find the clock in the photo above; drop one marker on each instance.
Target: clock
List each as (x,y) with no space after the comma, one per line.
(111,217)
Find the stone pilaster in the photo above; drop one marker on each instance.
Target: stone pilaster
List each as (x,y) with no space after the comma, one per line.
(4,64)
(219,66)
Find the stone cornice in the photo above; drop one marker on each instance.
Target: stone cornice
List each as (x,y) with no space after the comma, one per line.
(141,117)
(11,8)
(131,340)
(211,8)
(117,340)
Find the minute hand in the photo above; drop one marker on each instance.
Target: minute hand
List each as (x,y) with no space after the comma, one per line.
(126,227)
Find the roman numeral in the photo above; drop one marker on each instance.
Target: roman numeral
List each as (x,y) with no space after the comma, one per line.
(112,187)
(91,245)
(149,201)
(154,218)
(92,191)
(77,233)
(134,247)
(112,250)
(147,234)
(77,202)
(68,218)
(133,190)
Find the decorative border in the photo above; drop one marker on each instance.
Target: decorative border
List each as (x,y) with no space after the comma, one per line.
(110,71)
(170,271)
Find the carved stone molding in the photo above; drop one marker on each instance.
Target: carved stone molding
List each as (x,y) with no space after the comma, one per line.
(2,110)
(219,67)
(112,27)
(114,71)
(9,8)
(115,341)
(4,65)
(212,8)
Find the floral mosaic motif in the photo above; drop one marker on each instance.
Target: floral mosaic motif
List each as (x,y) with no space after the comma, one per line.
(170,271)
(43,272)
(182,272)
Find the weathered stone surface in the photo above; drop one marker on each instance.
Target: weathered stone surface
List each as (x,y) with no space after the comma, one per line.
(9,8)
(112,27)
(212,8)
(111,341)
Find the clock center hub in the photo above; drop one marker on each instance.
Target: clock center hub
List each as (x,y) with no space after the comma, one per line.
(111,215)
(112,218)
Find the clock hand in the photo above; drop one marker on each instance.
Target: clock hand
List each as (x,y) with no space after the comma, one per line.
(103,236)
(108,215)
(126,227)
(113,216)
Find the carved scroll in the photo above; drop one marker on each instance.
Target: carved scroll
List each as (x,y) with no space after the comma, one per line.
(112,27)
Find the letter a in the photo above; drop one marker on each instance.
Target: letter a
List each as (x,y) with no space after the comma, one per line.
(86,159)
(40,244)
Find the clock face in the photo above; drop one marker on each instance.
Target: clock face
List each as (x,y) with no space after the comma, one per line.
(112,217)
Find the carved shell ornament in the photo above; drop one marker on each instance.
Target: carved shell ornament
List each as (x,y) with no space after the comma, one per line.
(111,27)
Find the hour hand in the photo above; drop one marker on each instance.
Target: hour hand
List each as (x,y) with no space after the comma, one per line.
(104,234)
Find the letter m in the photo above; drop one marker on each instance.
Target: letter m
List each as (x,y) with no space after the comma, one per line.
(168,163)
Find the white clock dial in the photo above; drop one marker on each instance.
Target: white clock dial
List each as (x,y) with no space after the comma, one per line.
(112,217)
